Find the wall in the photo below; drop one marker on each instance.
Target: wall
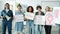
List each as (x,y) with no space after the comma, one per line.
(34,3)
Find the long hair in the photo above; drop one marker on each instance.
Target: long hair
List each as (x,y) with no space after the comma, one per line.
(8,6)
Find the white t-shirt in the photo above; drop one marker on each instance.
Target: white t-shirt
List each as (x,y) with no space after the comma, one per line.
(7,10)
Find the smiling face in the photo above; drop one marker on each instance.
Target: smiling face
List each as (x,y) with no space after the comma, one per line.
(7,6)
(19,8)
(30,9)
(47,8)
(39,9)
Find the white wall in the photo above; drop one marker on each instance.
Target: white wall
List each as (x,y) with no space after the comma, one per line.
(43,3)
(34,3)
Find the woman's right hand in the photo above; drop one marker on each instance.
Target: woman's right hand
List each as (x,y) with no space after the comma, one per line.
(25,19)
(2,16)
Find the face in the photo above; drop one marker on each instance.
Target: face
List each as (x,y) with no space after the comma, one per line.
(6,6)
(47,9)
(30,9)
(19,8)
(39,9)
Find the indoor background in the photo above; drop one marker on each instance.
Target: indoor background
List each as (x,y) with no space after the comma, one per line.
(34,3)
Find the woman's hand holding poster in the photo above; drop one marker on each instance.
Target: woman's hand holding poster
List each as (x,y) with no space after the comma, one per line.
(19,18)
(49,18)
(29,15)
(39,19)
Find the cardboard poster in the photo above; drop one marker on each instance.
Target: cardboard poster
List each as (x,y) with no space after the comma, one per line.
(49,18)
(39,19)
(29,15)
(19,18)
(56,13)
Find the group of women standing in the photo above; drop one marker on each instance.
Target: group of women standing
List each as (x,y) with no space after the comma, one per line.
(8,17)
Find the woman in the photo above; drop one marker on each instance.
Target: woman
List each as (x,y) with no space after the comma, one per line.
(48,27)
(30,24)
(39,27)
(7,16)
(19,25)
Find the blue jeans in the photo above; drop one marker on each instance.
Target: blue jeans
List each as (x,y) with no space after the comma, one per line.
(6,24)
(19,26)
(38,29)
(30,27)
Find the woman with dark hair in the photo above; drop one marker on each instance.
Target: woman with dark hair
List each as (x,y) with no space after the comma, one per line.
(30,9)
(30,24)
(7,16)
(38,26)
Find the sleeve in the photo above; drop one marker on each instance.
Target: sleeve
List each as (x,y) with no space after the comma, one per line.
(23,14)
(12,13)
(2,13)
(43,13)
(36,13)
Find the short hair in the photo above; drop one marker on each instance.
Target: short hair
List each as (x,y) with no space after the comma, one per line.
(38,7)
(19,6)
(8,6)
(31,8)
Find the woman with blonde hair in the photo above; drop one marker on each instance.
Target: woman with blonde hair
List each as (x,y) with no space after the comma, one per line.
(48,27)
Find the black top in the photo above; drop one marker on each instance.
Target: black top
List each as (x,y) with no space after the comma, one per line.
(9,13)
(42,13)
